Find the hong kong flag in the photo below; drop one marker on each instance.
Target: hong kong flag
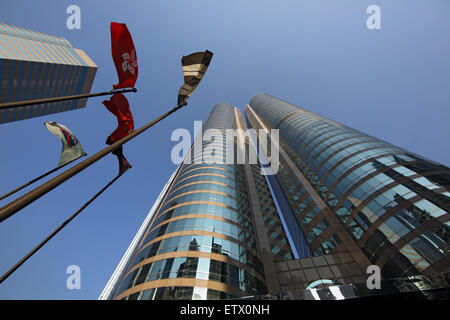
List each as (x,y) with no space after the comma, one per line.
(124,55)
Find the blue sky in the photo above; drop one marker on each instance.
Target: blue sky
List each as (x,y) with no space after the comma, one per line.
(392,83)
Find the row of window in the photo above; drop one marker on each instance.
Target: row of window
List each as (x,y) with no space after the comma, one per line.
(33,35)
(416,255)
(205,176)
(30,49)
(350,172)
(242,217)
(192,267)
(306,140)
(317,230)
(327,246)
(328,165)
(261,104)
(303,141)
(205,169)
(180,293)
(202,185)
(212,225)
(331,147)
(15,93)
(386,200)
(204,195)
(200,243)
(296,124)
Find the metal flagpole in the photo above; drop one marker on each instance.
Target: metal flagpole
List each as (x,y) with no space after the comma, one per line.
(36,179)
(18,204)
(18,104)
(40,245)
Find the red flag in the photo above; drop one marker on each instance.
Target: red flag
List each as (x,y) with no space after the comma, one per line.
(124,55)
(118,106)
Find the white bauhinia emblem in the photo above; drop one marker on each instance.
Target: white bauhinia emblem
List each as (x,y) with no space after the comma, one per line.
(129,62)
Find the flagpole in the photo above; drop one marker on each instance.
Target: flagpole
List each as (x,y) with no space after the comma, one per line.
(18,204)
(40,245)
(18,104)
(36,179)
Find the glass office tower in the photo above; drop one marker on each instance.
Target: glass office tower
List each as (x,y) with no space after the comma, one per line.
(36,65)
(215,233)
(340,202)
(356,198)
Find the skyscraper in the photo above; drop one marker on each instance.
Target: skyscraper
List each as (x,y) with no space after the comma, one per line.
(204,240)
(355,199)
(340,202)
(36,65)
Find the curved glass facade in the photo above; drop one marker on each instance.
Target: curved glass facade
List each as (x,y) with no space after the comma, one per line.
(201,242)
(341,201)
(395,205)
